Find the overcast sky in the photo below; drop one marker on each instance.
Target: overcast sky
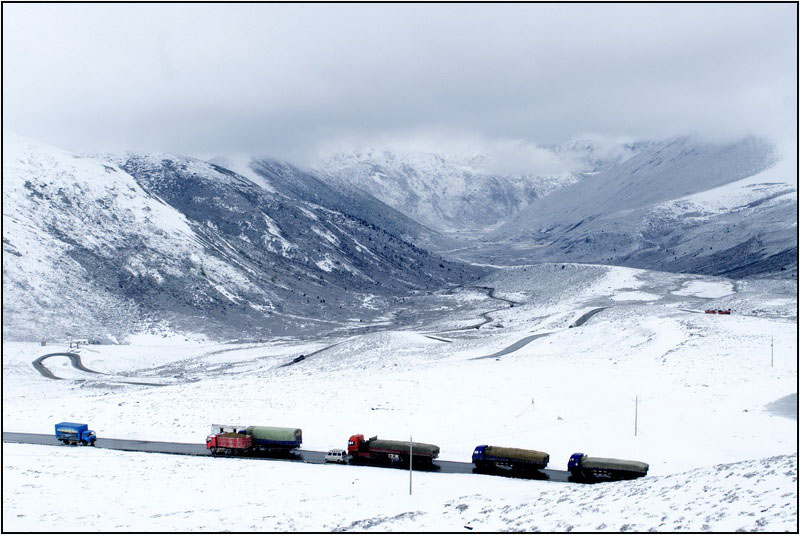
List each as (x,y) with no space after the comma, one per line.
(286,80)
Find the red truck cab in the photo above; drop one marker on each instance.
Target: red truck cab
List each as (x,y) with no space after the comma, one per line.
(220,443)
(354,444)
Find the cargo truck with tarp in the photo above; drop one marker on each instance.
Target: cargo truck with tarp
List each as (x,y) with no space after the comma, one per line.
(253,440)
(583,467)
(387,451)
(72,433)
(493,458)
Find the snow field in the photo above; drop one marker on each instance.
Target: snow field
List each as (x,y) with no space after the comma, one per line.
(702,383)
(109,491)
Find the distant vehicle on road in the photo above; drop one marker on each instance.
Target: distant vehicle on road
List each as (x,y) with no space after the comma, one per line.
(583,467)
(336,456)
(72,433)
(713,311)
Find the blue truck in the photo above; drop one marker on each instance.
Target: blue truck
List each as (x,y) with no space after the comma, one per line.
(72,433)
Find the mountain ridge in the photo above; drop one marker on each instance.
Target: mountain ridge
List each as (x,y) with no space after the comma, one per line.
(142,241)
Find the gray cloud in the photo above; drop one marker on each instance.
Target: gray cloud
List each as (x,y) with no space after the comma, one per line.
(284,80)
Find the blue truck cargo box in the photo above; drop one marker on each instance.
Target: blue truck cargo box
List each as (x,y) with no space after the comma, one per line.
(71,432)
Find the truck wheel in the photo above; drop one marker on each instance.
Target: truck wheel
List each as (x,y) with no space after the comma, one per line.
(84,443)
(91,443)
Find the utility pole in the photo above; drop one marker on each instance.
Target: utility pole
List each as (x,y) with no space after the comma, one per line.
(410,461)
(636,417)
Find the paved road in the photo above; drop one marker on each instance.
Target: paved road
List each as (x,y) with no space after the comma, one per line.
(74,357)
(583,319)
(513,347)
(304,456)
(438,339)
(528,339)
(301,358)
(485,315)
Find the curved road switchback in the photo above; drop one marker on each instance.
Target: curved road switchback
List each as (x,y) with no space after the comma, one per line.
(73,357)
(485,315)
(301,456)
(528,339)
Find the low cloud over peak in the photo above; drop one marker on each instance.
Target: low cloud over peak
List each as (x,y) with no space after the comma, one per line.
(288,79)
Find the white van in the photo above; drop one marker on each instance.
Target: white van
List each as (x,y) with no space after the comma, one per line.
(336,456)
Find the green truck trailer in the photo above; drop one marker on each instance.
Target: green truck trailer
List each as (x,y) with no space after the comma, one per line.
(488,458)
(583,467)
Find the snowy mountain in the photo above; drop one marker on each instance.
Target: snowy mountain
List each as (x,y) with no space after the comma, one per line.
(458,192)
(678,205)
(305,186)
(105,248)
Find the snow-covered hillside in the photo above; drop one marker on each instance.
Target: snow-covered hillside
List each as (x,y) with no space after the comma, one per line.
(303,186)
(454,192)
(105,247)
(717,418)
(680,205)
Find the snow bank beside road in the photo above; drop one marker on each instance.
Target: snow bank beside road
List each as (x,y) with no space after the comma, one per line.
(48,486)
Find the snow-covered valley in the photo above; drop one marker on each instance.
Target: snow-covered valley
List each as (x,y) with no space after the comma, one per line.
(448,267)
(716,420)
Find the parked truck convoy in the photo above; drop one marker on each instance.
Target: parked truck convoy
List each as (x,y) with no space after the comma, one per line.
(380,450)
(72,433)
(583,467)
(490,458)
(253,440)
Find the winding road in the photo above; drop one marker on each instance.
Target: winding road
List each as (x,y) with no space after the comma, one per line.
(485,315)
(528,339)
(73,357)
